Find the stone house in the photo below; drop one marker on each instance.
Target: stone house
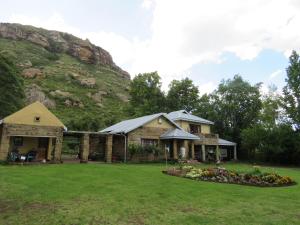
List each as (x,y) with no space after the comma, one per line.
(147,130)
(173,132)
(32,129)
(35,129)
(209,143)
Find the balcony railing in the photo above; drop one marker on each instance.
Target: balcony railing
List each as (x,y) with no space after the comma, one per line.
(212,136)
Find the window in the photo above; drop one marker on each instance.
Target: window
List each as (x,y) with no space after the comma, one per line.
(37,119)
(147,142)
(194,129)
(18,141)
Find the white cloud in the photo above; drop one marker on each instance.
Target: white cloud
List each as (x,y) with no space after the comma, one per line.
(207,88)
(147,4)
(275,74)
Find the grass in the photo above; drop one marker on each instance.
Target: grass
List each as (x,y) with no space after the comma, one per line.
(138,194)
(57,68)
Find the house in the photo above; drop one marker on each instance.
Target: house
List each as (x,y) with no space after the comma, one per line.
(35,130)
(168,131)
(32,130)
(155,129)
(209,143)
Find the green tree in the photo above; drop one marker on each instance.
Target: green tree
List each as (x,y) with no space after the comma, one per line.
(11,87)
(270,113)
(291,91)
(183,94)
(146,95)
(234,106)
(205,107)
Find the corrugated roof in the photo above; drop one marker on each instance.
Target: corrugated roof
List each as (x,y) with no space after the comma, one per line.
(225,142)
(185,116)
(178,134)
(130,125)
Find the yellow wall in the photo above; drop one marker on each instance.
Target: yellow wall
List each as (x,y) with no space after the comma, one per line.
(30,143)
(205,129)
(26,116)
(184,124)
(164,123)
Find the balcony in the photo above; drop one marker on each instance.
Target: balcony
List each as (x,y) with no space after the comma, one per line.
(210,135)
(208,139)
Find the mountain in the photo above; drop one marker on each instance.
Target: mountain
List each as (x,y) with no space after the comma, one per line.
(76,79)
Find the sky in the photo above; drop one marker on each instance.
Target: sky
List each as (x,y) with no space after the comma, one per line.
(205,40)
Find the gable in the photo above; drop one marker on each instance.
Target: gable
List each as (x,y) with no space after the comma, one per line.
(29,116)
(164,123)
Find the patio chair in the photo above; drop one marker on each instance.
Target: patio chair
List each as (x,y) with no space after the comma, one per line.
(14,156)
(31,156)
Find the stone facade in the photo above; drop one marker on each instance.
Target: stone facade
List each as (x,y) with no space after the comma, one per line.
(12,130)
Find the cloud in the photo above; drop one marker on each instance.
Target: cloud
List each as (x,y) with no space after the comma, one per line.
(207,88)
(275,74)
(147,4)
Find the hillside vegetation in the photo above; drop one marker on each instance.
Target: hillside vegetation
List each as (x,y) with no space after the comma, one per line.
(85,90)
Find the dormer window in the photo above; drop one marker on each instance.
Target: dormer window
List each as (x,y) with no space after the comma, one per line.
(37,119)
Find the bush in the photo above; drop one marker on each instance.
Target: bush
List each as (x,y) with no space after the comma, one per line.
(255,177)
(135,149)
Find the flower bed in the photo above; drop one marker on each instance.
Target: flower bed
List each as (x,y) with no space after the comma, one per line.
(222,175)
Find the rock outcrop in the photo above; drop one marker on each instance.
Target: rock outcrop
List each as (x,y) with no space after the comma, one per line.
(60,42)
(34,93)
(32,73)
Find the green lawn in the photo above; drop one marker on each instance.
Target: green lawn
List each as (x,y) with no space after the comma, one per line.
(138,194)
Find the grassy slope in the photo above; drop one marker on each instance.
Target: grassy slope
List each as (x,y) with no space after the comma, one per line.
(57,69)
(137,194)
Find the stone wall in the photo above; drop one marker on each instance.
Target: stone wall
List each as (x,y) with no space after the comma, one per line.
(10,130)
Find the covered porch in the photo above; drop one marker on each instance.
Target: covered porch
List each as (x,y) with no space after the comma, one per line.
(218,150)
(31,148)
(179,144)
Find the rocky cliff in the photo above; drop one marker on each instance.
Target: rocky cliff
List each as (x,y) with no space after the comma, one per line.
(77,80)
(60,42)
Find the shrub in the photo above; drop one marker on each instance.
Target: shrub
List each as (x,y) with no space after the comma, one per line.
(225,176)
(134,148)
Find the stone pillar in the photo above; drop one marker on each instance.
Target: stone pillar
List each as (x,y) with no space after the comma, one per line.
(193,150)
(218,153)
(186,146)
(175,150)
(50,148)
(234,153)
(84,148)
(108,149)
(58,147)
(203,153)
(4,146)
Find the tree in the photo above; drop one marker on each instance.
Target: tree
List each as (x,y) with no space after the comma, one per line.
(146,95)
(234,106)
(183,94)
(270,113)
(291,92)
(11,87)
